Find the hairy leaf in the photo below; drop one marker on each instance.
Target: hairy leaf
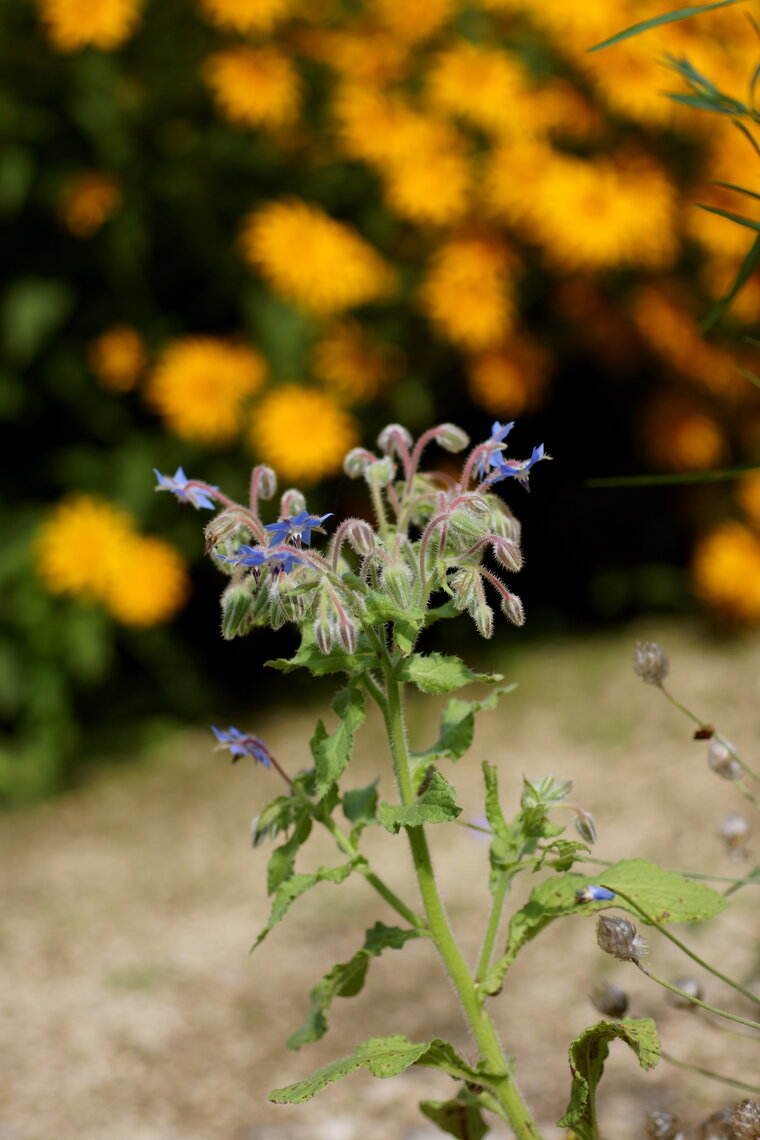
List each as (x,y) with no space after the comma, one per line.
(360,806)
(438,673)
(298,885)
(332,751)
(380,608)
(282,859)
(347,979)
(308,656)
(437,804)
(458,726)
(588,1054)
(657,21)
(459,1117)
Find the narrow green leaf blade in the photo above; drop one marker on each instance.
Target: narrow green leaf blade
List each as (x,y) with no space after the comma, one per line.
(437,804)
(738,189)
(746,269)
(748,223)
(439,673)
(588,1054)
(658,21)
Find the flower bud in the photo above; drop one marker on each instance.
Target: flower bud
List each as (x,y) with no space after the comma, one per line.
(734,830)
(618,937)
(512,608)
(721,761)
(451,438)
(585,826)
(482,615)
(689,986)
(397,582)
(505,524)
(507,552)
(292,503)
(360,536)
(237,609)
(719,1126)
(609,999)
(465,522)
(347,634)
(650,662)
(266,481)
(464,586)
(394,438)
(746,1120)
(357,461)
(662,1126)
(323,635)
(381,472)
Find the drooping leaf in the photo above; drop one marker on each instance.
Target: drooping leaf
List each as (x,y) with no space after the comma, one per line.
(347,979)
(458,726)
(332,751)
(31,310)
(746,269)
(437,804)
(459,1117)
(658,21)
(439,673)
(360,806)
(382,1057)
(588,1054)
(282,859)
(308,656)
(298,885)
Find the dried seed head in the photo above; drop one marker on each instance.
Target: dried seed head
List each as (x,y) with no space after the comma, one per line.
(746,1120)
(719,1126)
(609,999)
(721,761)
(618,937)
(689,986)
(650,662)
(451,438)
(735,830)
(662,1126)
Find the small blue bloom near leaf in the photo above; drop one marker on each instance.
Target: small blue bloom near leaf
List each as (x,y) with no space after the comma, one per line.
(187,490)
(258,557)
(491,454)
(518,469)
(298,528)
(243,744)
(593,894)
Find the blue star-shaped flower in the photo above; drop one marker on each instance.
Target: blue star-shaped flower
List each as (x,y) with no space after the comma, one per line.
(242,744)
(257,557)
(593,894)
(184,489)
(518,469)
(499,433)
(298,528)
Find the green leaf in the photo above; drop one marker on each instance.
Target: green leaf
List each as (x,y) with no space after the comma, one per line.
(748,223)
(437,804)
(657,21)
(459,1117)
(382,1057)
(282,859)
(30,312)
(380,609)
(458,726)
(746,269)
(360,806)
(347,979)
(665,895)
(319,664)
(738,189)
(437,673)
(332,751)
(587,1056)
(298,885)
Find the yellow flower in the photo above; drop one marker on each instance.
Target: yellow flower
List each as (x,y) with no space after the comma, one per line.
(350,364)
(726,571)
(258,87)
(510,380)
(467,292)
(88,201)
(431,186)
(74,24)
(302,433)
(514,173)
(413,20)
(117,357)
(680,437)
(246,15)
(79,544)
(360,53)
(149,584)
(718,277)
(199,385)
(481,85)
(321,265)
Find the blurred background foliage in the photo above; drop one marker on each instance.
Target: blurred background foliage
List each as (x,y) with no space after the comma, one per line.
(257,230)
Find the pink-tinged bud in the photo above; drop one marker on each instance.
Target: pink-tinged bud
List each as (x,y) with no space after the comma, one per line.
(482,615)
(360,536)
(323,635)
(507,553)
(292,503)
(394,438)
(609,999)
(585,826)
(357,461)
(691,988)
(662,1126)
(618,937)
(746,1120)
(512,608)
(347,634)
(464,586)
(735,831)
(650,662)
(451,438)
(721,760)
(266,482)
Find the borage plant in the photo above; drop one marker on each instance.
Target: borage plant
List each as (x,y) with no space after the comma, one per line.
(361,606)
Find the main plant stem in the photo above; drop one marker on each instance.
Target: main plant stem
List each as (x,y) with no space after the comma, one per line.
(502,1083)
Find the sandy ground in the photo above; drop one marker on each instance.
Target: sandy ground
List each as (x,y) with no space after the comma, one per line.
(130,1007)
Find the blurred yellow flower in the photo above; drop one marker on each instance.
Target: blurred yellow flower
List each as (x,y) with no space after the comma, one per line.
(302,433)
(726,572)
(87,201)
(246,15)
(149,584)
(199,384)
(321,265)
(514,172)
(718,276)
(509,380)
(347,362)
(431,185)
(80,543)
(74,24)
(467,292)
(413,20)
(117,357)
(748,495)
(361,52)
(678,436)
(257,87)
(481,85)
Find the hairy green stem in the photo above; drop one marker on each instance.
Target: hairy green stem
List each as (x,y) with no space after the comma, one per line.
(695,1001)
(702,724)
(494,921)
(348,848)
(513,1109)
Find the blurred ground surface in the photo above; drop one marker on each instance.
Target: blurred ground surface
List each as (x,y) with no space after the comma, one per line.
(131,1010)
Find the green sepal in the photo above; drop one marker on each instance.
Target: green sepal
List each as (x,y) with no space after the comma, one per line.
(298,885)
(347,979)
(436,804)
(383,1057)
(458,726)
(587,1056)
(308,656)
(360,807)
(282,859)
(332,751)
(459,1117)
(440,673)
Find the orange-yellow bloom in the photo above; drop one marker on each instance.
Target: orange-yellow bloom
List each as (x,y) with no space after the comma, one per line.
(509,380)
(246,15)
(678,436)
(149,584)
(257,87)
(199,385)
(467,292)
(726,572)
(413,20)
(302,433)
(88,201)
(321,265)
(79,544)
(117,357)
(349,364)
(74,24)
(481,85)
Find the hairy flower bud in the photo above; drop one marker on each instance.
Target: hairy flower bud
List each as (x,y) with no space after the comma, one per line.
(720,759)
(513,610)
(662,1126)
(347,634)
(228,527)
(451,438)
(746,1120)
(360,536)
(585,826)
(323,635)
(394,438)
(381,472)
(467,523)
(293,502)
(650,662)
(692,988)
(357,461)
(505,524)
(734,831)
(238,609)
(507,553)
(482,615)
(397,583)
(266,481)
(719,1126)
(618,937)
(609,999)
